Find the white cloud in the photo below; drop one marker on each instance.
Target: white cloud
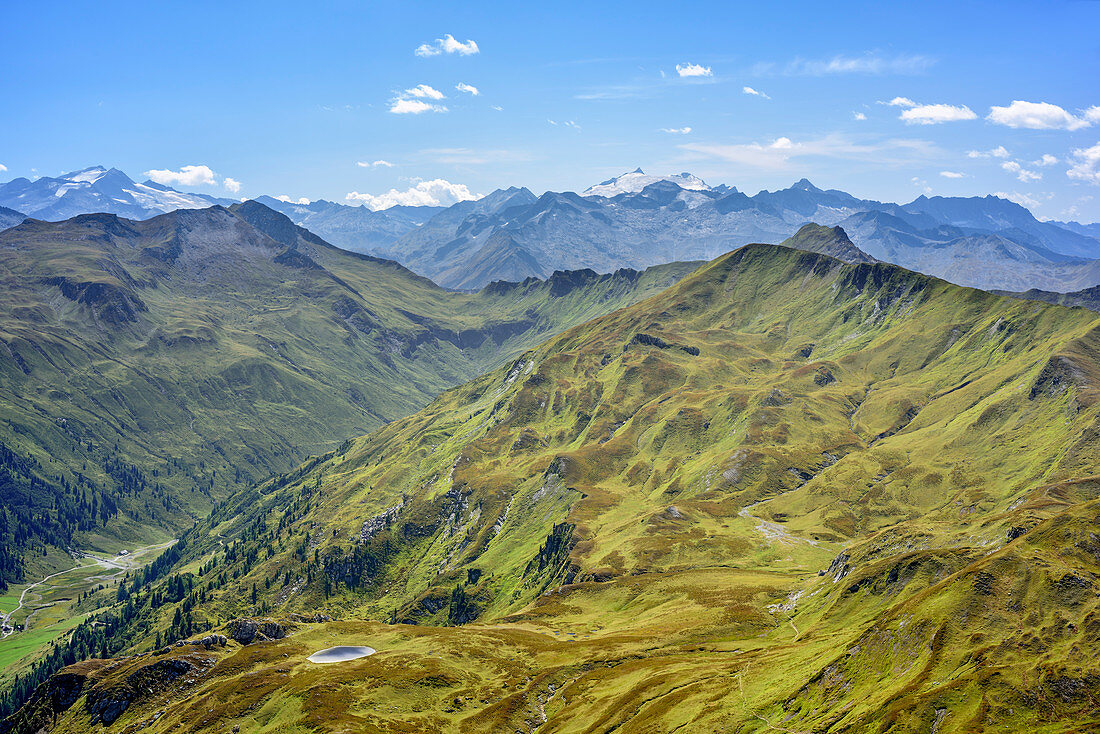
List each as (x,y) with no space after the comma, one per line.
(1022,199)
(447,45)
(922,184)
(1041,116)
(693,70)
(468,88)
(676,130)
(859,116)
(374,164)
(998,152)
(498,108)
(403,106)
(952,174)
(900,102)
(232,185)
(778,154)
(1021,173)
(754,92)
(1046,160)
(566,123)
(411,101)
(283,197)
(425,193)
(423,91)
(1086,165)
(932,114)
(867,64)
(186,176)
(3,168)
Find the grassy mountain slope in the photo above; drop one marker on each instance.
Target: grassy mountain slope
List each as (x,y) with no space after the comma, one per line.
(787,493)
(148,368)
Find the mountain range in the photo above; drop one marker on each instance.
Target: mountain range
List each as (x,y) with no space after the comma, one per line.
(635,220)
(785,493)
(97,190)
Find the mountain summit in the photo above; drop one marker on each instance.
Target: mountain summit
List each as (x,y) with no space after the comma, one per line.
(636,180)
(97,189)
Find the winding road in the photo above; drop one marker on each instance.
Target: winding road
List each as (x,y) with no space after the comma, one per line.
(118,564)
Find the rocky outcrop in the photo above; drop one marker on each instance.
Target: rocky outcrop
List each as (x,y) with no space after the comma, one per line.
(246,631)
(106,702)
(656,341)
(111,303)
(51,698)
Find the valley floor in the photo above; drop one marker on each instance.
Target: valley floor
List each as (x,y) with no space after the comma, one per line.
(37,614)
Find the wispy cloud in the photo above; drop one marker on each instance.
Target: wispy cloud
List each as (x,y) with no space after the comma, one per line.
(693,70)
(1086,165)
(871,63)
(999,152)
(1042,116)
(447,45)
(3,168)
(778,154)
(676,130)
(437,192)
(284,198)
(411,101)
(754,92)
(186,176)
(402,106)
(423,91)
(374,164)
(859,116)
(934,114)
(952,174)
(1021,173)
(468,88)
(565,123)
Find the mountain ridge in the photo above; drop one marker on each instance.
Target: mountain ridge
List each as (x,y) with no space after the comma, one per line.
(814,488)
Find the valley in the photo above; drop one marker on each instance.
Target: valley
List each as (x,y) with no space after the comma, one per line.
(438,368)
(710,509)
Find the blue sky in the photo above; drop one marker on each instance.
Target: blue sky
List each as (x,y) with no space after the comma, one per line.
(288,99)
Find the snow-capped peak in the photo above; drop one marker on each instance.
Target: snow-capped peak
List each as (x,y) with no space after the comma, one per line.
(635,181)
(88,175)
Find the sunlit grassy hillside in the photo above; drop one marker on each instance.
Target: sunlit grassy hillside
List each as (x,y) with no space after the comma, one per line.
(785,494)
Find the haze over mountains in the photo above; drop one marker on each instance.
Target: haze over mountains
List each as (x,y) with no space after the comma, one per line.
(636,220)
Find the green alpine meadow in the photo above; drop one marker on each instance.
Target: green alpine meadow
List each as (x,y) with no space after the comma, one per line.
(584,368)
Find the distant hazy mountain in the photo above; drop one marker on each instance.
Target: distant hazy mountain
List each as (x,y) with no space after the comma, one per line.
(636,180)
(354,227)
(1086,298)
(1008,259)
(10,217)
(637,220)
(94,190)
(985,242)
(1089,230)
